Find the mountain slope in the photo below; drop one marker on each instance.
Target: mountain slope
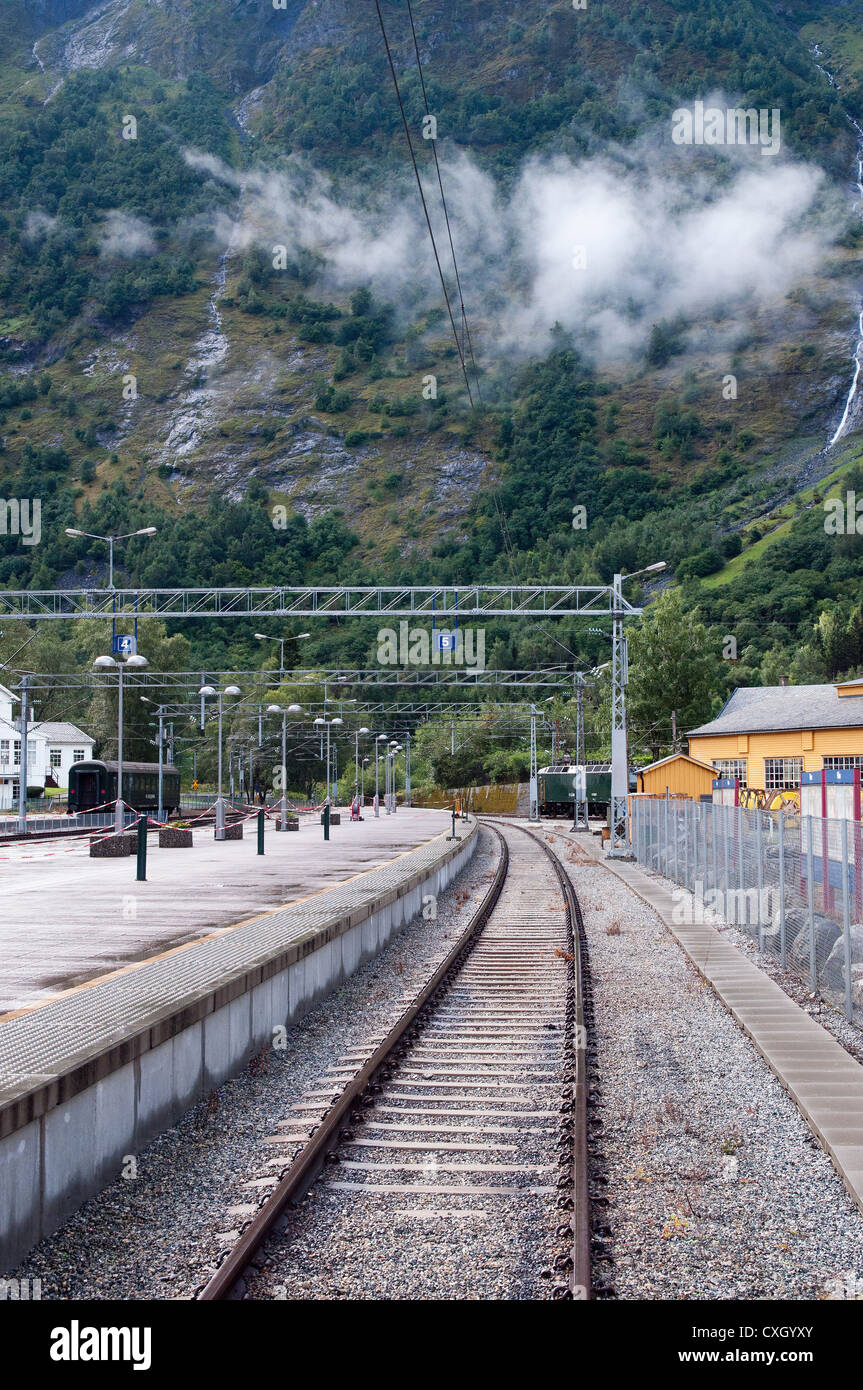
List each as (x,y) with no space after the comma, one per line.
(241,300)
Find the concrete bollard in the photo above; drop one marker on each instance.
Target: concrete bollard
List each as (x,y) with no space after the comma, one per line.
(112,847)
(171,837)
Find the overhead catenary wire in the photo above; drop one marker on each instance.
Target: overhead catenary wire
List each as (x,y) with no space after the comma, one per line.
(423,200)
(459,348)
(465,326)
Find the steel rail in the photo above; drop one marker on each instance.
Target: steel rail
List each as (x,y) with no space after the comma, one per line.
(578,1274)
(307,1164)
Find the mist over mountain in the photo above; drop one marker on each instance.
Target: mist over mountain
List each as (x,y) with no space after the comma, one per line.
(218,290)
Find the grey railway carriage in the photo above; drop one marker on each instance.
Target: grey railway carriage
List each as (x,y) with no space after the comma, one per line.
(557,784)
(94,784)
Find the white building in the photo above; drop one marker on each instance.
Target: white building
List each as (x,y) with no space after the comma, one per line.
(52,748)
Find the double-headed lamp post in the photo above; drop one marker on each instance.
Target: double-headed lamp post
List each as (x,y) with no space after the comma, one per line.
(108,663)
(207,692)
(109,541)
(338,722)
(160,714)
(395,749)
(391,775)
(381,738)
(293,710)
(265,637)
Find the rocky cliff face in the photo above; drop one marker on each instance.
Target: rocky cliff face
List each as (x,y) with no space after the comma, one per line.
(234,40)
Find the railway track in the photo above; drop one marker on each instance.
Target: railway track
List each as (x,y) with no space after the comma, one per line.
(470,1114)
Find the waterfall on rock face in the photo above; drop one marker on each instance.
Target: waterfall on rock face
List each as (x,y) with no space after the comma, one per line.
(858,352)
(842,427)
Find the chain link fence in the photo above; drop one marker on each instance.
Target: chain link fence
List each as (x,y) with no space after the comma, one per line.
(791,882)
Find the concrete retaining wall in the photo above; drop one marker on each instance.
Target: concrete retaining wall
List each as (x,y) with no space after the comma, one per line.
(64,1140)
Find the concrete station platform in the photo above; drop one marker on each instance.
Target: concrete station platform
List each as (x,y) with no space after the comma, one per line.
(89,1074)
(67,918)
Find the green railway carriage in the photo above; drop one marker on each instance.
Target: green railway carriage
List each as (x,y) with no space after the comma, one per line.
(94,784)
(557,785)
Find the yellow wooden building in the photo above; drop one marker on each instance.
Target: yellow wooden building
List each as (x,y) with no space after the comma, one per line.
(679,775)
(766,736)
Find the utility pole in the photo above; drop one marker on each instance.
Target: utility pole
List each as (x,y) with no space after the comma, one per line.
(580,817)
(534,780)
(119,807)
(284,801)
(618,846)
(407,769)
(22,766)
(161,811)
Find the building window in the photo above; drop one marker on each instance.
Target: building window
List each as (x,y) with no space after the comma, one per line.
(16,753)
(782,774)
(731,767)
(839,764)
(78,755)
(56,759)
(4,750)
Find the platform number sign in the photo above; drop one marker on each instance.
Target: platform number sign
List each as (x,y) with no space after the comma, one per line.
(444,641)
(125,645)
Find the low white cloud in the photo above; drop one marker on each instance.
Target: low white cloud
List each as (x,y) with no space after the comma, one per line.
(605,247)
(125,235)
(38,225)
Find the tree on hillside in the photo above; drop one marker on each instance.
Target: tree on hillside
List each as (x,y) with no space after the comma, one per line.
(673,671)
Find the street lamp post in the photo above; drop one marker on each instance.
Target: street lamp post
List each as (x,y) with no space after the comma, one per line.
(381,738)
(408,769)
(206,692)
(363,780)
(104,663)
(110,540)
(265,637)
(394,788)
(292,710)
(391,800)
(160,712)
(357,733)
(321,721)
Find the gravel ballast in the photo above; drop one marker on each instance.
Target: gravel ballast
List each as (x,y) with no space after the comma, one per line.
(462,1148)
(716,1187)
(158,1234)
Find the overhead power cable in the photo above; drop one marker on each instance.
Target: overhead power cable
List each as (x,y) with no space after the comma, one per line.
(423,200)
(465,327)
